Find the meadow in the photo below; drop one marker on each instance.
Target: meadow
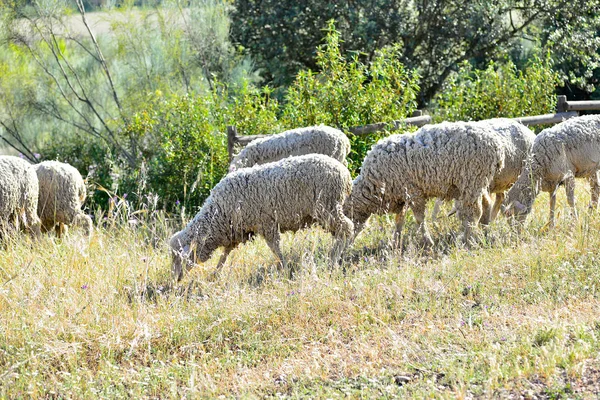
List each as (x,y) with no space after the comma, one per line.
(516,315)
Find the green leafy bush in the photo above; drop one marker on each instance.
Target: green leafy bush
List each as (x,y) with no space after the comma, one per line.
(184,154)
(347,93)
(500,90)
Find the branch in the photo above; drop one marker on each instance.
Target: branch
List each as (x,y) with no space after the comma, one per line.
(101,58)
(24,150)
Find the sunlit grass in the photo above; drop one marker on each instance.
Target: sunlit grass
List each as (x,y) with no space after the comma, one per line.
(517,314)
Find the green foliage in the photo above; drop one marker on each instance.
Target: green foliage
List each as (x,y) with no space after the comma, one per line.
(436,35)
(500,90)
(185,151)
(346,93)
(253,111)
(282,36)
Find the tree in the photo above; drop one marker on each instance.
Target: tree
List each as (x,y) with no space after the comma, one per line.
(436,35)
(62,80)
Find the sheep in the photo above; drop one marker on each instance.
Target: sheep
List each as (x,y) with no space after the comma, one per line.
(265,200)
(559,154)
(517,140)
(62,193)
(315,139)
(447,160)
(18,196)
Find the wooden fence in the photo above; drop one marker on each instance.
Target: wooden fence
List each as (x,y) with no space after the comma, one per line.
(417,119)
(564,110)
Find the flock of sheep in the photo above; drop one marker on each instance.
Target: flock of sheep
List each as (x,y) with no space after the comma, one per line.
(299,177)
(41,197)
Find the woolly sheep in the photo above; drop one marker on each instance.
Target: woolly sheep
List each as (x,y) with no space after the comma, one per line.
(517,142)
(560,154)
(315,139)
(18,195)
(62,193)
(265,200)
(448,160)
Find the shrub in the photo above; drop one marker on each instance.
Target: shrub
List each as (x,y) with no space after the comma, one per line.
(500,90)
(346,93)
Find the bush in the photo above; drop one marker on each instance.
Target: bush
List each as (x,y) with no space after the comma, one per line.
(347,93)
(184,152)
(500,90)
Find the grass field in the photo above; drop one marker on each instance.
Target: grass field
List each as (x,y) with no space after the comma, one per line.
(518,315)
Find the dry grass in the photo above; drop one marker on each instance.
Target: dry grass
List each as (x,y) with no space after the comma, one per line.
(518,315)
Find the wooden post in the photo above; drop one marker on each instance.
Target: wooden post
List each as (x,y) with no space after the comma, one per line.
(561,104)
(231,139)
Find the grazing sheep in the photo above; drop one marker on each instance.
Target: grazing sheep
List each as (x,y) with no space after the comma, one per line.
(62,193)
(517,142)
(559,154)
(265,200)
(18,196)
(448,160)
(296,142)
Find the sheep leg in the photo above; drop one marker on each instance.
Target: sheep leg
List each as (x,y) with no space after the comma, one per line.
(552,207)
(342,229)
(273,239)
(595,189)
(223,258)
(60,229)
(400,218)
(418,209)
(435,212)
(497,205)
(358,227)
(470,214)
(486,209)
(33,223)
(570,190)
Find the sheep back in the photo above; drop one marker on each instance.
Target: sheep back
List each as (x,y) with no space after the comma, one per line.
(62,194)
(18,193)
(315,139)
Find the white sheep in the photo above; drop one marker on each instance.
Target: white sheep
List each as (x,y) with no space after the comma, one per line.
(517,141)
(559,154)
(18,196)
(448,160)
(265,200)
(62,194)
(311,140)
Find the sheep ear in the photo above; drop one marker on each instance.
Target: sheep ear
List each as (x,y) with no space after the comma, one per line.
(519,206)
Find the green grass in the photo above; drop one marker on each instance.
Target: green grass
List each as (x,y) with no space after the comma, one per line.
(516,315)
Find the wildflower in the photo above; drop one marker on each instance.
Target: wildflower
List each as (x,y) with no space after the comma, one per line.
(125,195)
(84,287)
(21,156)
(37,156)
(177,203)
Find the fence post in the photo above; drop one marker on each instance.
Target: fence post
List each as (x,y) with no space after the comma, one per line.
(231,139)
(561,104)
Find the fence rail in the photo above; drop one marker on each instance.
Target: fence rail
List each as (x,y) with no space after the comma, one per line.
(564,110)
(546,118)
(564,105)
(417,119)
